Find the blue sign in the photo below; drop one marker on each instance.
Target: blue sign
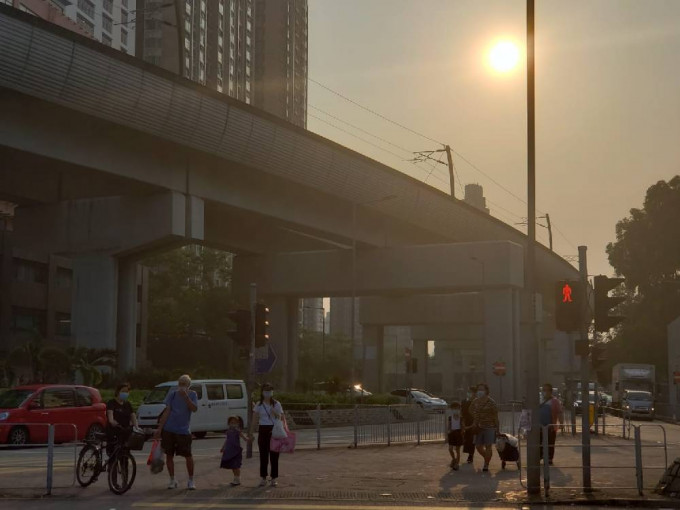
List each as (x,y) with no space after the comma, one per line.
(265,359)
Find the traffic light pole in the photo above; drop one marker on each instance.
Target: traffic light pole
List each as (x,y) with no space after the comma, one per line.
(585,373)
(251,369)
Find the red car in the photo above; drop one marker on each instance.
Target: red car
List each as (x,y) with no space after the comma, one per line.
(25,411)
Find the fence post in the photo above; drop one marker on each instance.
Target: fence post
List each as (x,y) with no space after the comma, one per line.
(356,424)
(514,408)
(623,429)
(546,459)
(50,458)
(318,426)
(418,427)
(389,425)
(638,459)
(604,421)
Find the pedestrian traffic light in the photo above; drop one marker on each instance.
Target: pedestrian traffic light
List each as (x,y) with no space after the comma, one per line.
(568,305)
(261,325)
(604,303)
(241,332)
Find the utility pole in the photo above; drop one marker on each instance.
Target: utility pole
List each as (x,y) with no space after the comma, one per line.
(585,375)
(421,156)
(251,369)
(531,355)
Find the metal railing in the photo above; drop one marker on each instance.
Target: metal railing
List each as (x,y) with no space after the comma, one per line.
(318,425)
(637,466)
(56,457)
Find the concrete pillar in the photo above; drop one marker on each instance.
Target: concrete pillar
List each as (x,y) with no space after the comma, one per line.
(127,315)
(284,338)
(500,323)
(5,287)
(373,378)
(292,310)
(419,379)
(95,291)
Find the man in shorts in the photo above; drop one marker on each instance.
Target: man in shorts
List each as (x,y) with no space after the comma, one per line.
(174,431)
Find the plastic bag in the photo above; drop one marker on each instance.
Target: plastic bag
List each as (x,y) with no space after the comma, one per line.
(155,460)
(279,431)
(284,444)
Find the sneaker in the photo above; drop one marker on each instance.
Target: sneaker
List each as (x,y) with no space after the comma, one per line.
(455,467)
(274,482)
(191,485)
(486,467)
(453,464)
(236,482)
(469,461)
(172,484)
(263,482)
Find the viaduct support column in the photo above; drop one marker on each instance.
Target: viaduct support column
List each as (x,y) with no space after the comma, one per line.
(420,353)
(127,314)
(373,370)
(284,338)
(501,335)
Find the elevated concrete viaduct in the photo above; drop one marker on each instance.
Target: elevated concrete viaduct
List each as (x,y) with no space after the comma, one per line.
(110,158)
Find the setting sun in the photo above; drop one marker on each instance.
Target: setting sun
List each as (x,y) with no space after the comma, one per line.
(504,56)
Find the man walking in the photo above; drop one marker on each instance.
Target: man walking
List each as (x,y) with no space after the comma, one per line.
(174,428)
(551,414)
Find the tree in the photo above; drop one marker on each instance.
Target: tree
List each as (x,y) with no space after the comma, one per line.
(647,254)
(90,363)
(314,366)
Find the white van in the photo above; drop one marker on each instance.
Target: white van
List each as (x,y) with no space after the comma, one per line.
(218,399)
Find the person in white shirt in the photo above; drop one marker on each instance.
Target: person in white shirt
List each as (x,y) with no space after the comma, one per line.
(455,434)
(267,410)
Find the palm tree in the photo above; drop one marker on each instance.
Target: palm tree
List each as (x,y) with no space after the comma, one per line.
(89,363)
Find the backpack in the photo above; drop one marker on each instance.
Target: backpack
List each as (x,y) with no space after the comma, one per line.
(669,485)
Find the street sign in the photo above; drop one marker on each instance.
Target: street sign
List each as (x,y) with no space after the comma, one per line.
(265,359)
(499,368)
(676,377)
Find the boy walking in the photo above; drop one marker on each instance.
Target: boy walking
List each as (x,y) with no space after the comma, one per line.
(455,435)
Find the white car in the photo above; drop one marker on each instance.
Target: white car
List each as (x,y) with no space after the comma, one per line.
(217,400)
(422,398)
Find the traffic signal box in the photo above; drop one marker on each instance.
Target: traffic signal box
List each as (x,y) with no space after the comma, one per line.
(261,325)
(569,298)
(604,303)
(242,327)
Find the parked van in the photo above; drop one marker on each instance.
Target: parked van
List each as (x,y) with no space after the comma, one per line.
(217,400)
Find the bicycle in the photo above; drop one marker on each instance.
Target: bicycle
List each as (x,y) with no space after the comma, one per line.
(120,466)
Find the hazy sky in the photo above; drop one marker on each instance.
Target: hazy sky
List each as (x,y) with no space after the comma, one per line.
(607,87)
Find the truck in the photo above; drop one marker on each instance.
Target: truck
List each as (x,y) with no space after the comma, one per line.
(632,377)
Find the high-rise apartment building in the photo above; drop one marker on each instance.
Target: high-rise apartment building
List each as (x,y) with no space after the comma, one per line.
(281,59)
(109,22)
(253,51)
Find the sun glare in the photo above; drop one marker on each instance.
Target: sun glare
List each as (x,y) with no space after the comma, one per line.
(504,56)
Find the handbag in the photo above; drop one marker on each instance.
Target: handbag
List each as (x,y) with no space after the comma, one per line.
(278,430)
(284,444)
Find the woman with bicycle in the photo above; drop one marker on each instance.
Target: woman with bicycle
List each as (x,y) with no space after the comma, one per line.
(120,417)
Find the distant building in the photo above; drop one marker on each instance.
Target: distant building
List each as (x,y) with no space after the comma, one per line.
(312,314)
(341,317)
(252,50)
(109,22)
(36,294)
(474,195)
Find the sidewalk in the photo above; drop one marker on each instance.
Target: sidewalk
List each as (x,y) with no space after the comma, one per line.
(407,473)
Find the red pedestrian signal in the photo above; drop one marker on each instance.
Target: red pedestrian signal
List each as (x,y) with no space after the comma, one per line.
(568,305)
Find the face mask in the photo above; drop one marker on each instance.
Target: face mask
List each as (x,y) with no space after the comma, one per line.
(481,393)
(123,395)
(267,394)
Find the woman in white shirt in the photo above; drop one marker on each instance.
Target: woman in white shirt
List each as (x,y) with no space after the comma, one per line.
(267,410)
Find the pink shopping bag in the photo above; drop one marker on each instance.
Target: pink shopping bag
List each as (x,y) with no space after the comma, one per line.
(286,444)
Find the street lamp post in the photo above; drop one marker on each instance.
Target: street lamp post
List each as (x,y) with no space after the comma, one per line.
(354,283)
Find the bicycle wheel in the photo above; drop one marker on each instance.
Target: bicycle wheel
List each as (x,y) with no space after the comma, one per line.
(122,472)
(88,467)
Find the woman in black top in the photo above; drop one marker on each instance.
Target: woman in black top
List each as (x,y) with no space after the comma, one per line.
(120,417)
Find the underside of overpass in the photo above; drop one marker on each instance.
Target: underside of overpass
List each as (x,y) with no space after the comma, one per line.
(111,159)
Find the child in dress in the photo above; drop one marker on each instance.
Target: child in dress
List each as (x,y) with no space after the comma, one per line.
(455,434)
(232,453)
